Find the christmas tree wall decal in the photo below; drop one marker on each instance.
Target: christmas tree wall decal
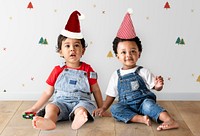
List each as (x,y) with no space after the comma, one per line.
(43,41)
(167,6)
(109,55)
(30,5)
(180,41)
(198,79)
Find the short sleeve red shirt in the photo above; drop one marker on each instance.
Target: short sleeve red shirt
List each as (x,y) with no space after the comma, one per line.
(57,70)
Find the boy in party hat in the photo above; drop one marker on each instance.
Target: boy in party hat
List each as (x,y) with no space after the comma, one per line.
(71,83)
(132,84)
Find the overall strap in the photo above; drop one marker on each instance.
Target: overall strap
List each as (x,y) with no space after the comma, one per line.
(118,73)
(138,69)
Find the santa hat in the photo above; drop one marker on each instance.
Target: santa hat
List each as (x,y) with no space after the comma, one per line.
(72,28)
(126,30)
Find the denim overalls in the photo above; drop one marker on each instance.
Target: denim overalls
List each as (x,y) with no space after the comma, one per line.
(134,98)
(72,90)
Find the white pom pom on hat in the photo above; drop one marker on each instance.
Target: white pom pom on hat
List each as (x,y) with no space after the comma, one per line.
(130,10)
(127,30)
(72,28)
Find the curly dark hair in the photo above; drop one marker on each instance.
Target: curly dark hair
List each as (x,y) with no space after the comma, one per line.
(62,38)
(117,40)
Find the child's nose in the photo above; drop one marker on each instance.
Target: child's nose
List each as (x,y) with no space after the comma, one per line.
(72,48)
(129,54)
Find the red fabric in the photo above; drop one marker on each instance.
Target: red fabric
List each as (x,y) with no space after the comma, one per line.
(126,30)
(57,70)
(73,24)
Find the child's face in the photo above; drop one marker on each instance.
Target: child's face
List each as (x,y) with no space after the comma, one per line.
(128,54)
(72,51)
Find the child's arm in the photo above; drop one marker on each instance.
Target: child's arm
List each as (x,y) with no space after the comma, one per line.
(97,95)
(99,99)
(46,95)
(159,82)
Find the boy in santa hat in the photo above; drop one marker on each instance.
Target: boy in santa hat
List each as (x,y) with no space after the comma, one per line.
(133,84)
(71,84)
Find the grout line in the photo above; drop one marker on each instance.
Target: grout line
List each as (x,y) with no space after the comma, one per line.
(115,127)
(6,125)
(76,132)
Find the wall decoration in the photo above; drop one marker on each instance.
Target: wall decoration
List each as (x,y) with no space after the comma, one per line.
(26,38)
(198,79)
(169,78)
(43,41)
(30,5)
(109,55)
(180,41)
(4,49)
(167,6)
(10,18)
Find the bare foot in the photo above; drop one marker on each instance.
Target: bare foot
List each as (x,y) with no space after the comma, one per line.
(43,123)
(141,119)
(168,125)
(79,119)
(147,120)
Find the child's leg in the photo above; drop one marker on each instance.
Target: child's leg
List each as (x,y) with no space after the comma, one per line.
(80,117)
(49,120)
(168,122)
(141,119)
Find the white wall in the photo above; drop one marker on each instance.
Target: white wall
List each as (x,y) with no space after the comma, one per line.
(25,64)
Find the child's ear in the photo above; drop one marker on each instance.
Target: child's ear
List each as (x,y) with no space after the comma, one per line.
(83,51)
(139,54)
(60,52)
(117,56)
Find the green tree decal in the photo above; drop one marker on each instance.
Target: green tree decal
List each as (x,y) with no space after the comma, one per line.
(178,40)
(41,40)
(182,41)
(45,41)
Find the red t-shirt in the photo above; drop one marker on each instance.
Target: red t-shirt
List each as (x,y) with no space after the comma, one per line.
(85,67)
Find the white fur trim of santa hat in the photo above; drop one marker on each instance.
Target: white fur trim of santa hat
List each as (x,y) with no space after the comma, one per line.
(72,28)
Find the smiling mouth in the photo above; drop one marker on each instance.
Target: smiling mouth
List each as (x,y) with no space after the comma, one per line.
(129,60)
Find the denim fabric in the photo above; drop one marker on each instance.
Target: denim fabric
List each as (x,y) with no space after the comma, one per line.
(72,90)
(134,98)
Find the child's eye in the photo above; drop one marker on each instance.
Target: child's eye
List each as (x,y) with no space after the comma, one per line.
(123,52)
(67,46)
(77,45)
(133,51)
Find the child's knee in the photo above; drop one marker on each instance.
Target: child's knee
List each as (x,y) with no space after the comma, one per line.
(82,109)
(148,103)
(51,107)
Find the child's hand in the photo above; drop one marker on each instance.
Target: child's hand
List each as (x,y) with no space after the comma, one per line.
(106,114)
(29,114)
(98,112)
(30,111)
(159,82)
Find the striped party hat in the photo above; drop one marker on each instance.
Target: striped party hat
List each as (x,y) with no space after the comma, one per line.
(126,30)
